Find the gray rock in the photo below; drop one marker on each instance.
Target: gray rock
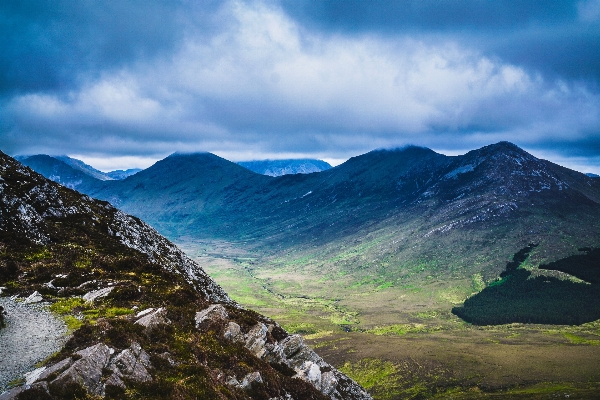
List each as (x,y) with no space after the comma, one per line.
(297,352)
(273,353)
(256,339)
(215,312)
(153,319)
(12,393)
(328,382)
(234,333)
(131,363)
(34,297)
(292,344)
(232,381)
(94,294)
(55,368)
(251,380)
(87,371)
(311,373)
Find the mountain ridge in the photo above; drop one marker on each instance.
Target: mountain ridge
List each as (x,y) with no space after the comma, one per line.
(497,195)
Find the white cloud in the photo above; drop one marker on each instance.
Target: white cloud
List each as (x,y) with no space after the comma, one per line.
(264,85)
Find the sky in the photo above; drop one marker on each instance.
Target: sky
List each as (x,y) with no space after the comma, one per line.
(123,83)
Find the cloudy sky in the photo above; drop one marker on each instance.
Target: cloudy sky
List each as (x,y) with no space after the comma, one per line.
(125,83)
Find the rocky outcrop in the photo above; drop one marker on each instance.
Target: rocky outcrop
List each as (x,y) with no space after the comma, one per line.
(132,363)
(86,371)
(290,351)
(89,371)
(34,297)
(215,312)
(154,318)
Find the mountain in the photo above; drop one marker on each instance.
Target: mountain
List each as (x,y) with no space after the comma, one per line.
(285,167)
(122,173)
(72,173)
(145,320)
(69,172)
(421,207)
(593,175)
(83,167)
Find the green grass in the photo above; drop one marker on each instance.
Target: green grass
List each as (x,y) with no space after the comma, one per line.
(400,329)
(66,305)
(371,374)
(572,338)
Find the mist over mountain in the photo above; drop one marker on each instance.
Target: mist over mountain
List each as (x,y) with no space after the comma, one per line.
(285,167)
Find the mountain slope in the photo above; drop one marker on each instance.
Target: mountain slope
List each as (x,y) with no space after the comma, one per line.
(147,321)
(59,171)
(85,168)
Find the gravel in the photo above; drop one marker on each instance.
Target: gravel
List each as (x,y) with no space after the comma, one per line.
(32,334)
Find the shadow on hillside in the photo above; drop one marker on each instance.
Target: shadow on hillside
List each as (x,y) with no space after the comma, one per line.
(544,300)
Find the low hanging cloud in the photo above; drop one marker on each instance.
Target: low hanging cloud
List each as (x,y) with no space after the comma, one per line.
(252,82)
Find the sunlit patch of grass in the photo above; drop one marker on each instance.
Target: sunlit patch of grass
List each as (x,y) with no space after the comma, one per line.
(574,339)
(371,373)
(400,329)
(112,312)
(65,306)
(72,323)
(40,255)
(318,335)
(301,327)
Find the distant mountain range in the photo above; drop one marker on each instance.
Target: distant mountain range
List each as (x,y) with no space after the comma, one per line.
(71,172)
(417,211)
(285,167)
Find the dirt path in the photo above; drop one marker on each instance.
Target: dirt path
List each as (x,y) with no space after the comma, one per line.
(31,335)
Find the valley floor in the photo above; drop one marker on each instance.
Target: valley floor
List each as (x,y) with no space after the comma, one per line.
(403,342)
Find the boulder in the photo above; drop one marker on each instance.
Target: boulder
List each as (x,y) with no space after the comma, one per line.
(256,339)
(34,297)
(297,352)
(54,369)
(153,319)
(291,345)
(273,353)
(12,393)
(251,380)
(94,294)
(38,391)
(215,312)
(311,373)
(328,382)
(233,332)
(132,364)
(87,371)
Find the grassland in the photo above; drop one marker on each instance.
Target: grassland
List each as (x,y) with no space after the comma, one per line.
(395,333)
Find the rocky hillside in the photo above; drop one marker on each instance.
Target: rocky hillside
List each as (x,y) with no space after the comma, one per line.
(145,320)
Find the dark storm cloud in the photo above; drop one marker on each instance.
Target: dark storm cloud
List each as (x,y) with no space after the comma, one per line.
(54,45)
(426,15)
(330,79)
(556,36)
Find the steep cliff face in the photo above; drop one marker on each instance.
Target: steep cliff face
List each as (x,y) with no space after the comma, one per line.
(145,320)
